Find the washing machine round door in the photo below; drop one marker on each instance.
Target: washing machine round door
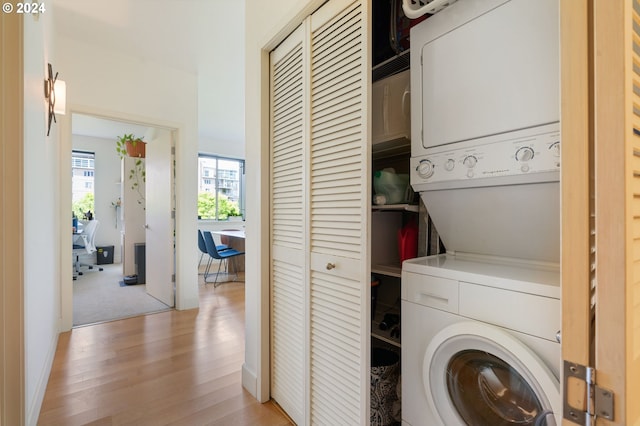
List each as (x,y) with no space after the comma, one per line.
(477,374)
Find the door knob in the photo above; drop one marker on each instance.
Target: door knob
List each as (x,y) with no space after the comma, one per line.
(330,266)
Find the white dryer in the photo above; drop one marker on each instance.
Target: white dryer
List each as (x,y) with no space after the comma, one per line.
(480,342)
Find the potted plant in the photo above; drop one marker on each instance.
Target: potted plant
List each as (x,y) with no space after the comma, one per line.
(130,146)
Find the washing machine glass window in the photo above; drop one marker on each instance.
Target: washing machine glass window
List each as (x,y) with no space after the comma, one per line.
(478,374)
(484,389)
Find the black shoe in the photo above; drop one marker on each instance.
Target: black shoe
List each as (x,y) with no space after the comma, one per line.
(389,321)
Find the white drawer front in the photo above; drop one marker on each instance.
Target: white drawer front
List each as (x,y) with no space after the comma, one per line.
(527,313)
(435,292)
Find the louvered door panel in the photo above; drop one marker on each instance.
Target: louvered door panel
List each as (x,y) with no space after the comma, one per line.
(633,174)
(337,136)
(338,215)
(633,212)
(288,244)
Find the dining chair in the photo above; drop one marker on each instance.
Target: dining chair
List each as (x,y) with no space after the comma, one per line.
(203,247)
(221,256)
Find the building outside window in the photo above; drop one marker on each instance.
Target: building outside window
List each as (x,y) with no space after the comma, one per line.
(82,183)
(220,187)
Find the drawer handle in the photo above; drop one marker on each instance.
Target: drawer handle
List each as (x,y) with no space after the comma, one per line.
(428,296)
(330,266)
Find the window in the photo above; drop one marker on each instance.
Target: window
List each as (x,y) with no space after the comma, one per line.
(82,181)
(220,187)
(82,161)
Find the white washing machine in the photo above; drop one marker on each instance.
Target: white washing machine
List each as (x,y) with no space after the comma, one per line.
(480,343)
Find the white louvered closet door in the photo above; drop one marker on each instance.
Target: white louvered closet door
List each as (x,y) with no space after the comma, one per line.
(339,212)
(288,227)
(319,218)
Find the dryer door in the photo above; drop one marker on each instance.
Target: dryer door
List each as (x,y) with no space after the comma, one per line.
(478,374)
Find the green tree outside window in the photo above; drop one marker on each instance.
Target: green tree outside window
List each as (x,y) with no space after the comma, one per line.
(83,205)
(207,206)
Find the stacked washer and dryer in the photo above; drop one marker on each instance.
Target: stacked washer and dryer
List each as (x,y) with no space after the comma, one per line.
(481,323)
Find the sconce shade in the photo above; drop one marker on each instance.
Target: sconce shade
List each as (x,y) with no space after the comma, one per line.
(60,106)
(55,92)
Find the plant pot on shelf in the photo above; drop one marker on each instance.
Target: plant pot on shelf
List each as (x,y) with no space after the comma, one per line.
(136,148)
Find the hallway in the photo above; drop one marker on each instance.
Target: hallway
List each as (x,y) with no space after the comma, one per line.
(168,368)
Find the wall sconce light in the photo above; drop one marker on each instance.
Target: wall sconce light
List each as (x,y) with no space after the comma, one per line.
(55,91)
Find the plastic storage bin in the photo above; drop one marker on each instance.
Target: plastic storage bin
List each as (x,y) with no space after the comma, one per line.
(393,187)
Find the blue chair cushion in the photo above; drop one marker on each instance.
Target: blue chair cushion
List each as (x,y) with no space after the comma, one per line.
(230,253)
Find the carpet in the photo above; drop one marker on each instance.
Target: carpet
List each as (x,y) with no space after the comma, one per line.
(98,297)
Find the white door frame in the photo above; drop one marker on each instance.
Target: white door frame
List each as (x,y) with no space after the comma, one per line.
(66,270)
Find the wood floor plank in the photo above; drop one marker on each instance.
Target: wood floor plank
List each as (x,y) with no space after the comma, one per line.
(168,368)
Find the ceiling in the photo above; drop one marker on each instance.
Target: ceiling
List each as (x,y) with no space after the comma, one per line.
(202,37)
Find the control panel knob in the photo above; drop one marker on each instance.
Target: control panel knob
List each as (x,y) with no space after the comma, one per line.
(449,164)
(425,169)
(524,154)
(555,149)
(470,161)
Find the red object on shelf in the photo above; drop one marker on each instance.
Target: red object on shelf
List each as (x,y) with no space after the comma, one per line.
(408,240)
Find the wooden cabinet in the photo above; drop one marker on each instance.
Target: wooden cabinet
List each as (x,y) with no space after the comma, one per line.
(320,175)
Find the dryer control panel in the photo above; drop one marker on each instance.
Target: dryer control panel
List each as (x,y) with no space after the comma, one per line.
(525,156)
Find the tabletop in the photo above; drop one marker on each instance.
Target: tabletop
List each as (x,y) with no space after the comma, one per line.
(231,233)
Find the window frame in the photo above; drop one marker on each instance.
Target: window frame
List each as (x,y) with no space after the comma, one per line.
(216,181)
(84,161)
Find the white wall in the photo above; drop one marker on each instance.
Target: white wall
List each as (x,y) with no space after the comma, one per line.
(224,148)
(41,217)
(227,104)
(106,189)
(107,83)
(221,86)
(263,21)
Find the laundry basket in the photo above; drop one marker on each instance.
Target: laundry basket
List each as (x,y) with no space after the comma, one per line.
(416,8)
(385,372)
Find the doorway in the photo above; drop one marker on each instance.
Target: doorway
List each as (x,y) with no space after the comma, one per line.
(135,215)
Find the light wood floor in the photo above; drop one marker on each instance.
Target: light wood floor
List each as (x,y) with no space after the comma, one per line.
(169,368)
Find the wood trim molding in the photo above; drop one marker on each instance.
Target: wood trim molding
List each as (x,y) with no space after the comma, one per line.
(610,201)
(575,136)
(12,388)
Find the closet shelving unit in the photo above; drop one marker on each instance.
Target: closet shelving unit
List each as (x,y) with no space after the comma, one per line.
(386,222)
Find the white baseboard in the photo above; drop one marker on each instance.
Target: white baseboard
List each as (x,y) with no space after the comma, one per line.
(33,412)
(249,381)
